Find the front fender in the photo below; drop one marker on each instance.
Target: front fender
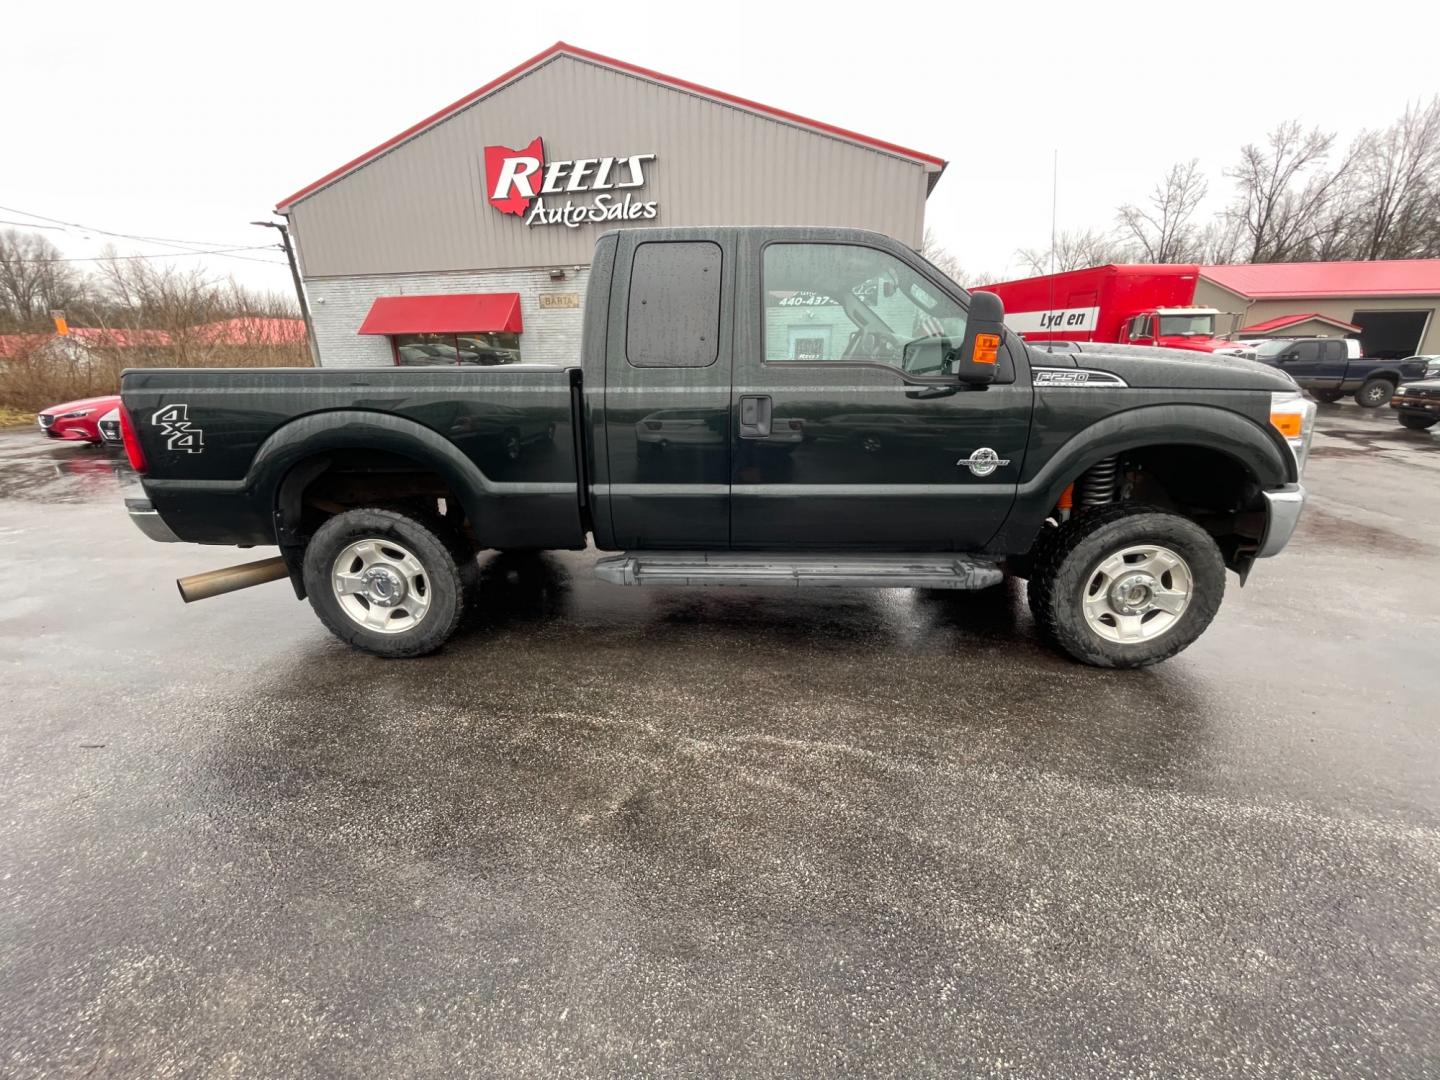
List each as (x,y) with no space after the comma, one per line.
(1259,449)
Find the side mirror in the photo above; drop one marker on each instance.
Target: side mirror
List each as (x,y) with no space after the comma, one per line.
(925,356)
(979,354)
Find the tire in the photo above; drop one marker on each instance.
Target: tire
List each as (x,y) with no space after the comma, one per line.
(1067,566)
(1374,393)
(432,571)
(1327,396)
(1417,421)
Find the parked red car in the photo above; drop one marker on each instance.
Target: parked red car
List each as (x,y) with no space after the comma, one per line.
(78,421)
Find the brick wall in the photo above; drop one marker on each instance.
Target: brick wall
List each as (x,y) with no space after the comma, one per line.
(339,306)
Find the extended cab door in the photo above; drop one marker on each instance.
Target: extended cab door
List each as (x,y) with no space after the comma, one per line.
(667,391)
(835,443)
(1304,361)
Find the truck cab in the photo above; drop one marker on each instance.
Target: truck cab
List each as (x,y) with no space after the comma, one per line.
(1191,328)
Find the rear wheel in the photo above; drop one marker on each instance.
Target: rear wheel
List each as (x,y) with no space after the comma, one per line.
(1374,393)
(1417,421)
(1125,586)
(1327,396)
(385,581)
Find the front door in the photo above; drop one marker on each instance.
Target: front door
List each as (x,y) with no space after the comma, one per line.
(838,440)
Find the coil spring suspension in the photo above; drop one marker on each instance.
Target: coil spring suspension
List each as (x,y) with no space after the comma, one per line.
(1096,487)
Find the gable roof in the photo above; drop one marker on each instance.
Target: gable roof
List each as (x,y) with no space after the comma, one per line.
(934,165)
(1294,320)
(1391,277)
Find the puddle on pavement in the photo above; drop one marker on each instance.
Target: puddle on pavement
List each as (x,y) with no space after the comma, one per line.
(59,472)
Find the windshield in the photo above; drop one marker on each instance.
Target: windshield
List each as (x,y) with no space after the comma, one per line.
(1271,348)
(1187,325)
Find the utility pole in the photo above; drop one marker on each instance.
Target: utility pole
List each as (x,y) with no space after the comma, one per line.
(299,286)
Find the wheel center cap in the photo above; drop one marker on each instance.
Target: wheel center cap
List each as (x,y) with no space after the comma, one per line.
(384,586)
(1132,594)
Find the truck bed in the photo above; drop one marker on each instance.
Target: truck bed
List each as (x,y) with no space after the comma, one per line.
(220,441)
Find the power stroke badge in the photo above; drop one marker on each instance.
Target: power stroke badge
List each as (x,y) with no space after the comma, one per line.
(179,433)
(983,461)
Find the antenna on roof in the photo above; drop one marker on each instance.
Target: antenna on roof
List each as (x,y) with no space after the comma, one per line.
(1054,203)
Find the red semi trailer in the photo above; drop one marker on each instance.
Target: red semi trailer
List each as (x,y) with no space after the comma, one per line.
(1131,305)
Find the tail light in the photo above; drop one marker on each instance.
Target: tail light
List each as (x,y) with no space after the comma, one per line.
(132,441)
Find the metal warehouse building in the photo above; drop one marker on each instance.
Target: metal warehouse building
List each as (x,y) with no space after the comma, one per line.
(466,238)
(1390,306)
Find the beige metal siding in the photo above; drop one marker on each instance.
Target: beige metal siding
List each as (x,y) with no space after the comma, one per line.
(1346,307)
(1209,294)
(422,206)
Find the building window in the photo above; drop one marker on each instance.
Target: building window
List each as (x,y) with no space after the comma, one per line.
(483,348)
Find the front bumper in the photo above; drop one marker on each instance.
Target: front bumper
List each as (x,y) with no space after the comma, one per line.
(1282,514)
(148,520)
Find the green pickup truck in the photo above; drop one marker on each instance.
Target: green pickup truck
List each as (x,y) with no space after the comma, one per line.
(751,406)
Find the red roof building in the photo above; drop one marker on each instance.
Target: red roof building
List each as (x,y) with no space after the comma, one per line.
(1390,305)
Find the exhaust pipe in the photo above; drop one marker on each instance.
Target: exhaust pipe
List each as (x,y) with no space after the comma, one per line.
(230,578)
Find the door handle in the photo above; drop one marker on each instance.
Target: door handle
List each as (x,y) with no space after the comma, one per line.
(755,411)
(927,392)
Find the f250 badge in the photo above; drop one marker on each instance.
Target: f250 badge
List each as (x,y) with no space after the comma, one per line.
(983,462)
(180,434)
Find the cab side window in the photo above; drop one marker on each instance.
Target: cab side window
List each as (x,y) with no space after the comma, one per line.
(846,303)
(674,314)
(1305,351)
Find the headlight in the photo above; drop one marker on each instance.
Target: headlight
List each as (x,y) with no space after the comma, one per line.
(76,415)
(1293,415)
(1399,391)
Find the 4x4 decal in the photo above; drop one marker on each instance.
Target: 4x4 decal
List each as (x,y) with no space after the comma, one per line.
(180,434)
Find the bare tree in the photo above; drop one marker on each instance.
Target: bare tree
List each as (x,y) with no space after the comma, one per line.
(34,278)
(1286,198)
(1397,182)
(1075,250)
(942,258)
(1164,230)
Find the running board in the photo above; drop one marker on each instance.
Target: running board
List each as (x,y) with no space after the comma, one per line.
(945,570)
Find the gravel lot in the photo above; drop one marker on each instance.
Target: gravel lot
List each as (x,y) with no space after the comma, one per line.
(641,831)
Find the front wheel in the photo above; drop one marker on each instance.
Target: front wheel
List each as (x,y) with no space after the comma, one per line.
(385,582)
(1327,396)
(1374,393)
(1417,421)
(1125,586)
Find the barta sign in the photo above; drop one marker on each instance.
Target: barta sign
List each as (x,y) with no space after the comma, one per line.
(519,182)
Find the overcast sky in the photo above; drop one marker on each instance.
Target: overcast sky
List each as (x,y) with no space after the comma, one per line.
(188,121)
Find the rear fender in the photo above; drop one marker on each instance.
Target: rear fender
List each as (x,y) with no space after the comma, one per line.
(501,514)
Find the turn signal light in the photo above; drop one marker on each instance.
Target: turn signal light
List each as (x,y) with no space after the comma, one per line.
(987,348)
(1288,424)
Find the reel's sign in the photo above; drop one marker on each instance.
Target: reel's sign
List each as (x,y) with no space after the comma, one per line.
(523,183)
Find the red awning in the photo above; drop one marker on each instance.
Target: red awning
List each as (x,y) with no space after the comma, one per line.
(455,313)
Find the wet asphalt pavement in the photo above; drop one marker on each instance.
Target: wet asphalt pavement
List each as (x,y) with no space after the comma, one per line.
(632,832)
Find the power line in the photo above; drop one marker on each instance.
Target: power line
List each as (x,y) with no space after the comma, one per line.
(163,255)
(181,245)
(32,225)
